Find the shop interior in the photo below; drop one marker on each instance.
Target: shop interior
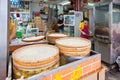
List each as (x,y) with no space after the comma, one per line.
(60,40)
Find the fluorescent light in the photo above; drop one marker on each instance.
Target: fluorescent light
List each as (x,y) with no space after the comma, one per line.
(90,4)
(65,3)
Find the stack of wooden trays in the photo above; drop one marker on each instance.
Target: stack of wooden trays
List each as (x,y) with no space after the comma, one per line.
(73,46)
(54,36)
(33,38)
(34,59)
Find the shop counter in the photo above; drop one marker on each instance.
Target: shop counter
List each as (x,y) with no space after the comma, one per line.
(17,43)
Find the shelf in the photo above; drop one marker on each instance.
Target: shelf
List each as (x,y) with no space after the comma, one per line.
(21,12)
(116,10)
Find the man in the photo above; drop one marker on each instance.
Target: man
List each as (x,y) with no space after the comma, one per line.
(12,30)
(60,24)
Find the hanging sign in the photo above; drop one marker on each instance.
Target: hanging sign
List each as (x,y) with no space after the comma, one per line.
(81,5)
(96,0)
(85,1)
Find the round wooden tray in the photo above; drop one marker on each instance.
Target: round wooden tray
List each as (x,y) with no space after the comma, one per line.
(41,66)
(73,42)
(73,49)
(82,54)
(32,62)
(33,38)
(74,46)
(54,36)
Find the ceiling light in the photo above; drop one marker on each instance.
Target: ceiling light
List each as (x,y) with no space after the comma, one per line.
(91,4)
(65,3)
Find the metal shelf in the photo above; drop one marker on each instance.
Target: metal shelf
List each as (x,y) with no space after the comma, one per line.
(21,12)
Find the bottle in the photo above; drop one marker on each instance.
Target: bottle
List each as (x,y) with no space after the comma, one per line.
(19,33)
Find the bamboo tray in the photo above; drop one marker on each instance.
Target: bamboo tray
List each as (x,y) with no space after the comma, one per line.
(54,36)
(33,59)
(34,53)
(33,38)
(73,46)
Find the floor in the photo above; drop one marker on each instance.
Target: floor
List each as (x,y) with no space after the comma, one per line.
(113,74)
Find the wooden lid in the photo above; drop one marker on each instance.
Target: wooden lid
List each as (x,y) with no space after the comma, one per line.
(33,38)
(73,42)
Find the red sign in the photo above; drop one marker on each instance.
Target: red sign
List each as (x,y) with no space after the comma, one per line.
(96,0)
(81,5)
(85,1)
(76,4)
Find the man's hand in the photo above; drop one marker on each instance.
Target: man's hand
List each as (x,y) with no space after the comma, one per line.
(60,24)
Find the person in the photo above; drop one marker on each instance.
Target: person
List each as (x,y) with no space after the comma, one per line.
(81,26)
(84,29)
(60,23)
(12,30)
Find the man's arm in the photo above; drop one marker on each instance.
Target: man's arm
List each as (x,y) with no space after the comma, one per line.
(60,24)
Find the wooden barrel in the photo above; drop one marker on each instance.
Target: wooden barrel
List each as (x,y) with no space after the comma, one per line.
(54,36)
(34,59)
(33,38)
(73,46)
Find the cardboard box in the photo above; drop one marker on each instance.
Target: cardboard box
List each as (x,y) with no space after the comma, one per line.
(91,77)
(39,23)
(99,75)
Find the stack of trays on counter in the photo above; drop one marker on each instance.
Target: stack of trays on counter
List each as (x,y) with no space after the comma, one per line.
(73,47)
(33,38)
(54,36)
(34,59)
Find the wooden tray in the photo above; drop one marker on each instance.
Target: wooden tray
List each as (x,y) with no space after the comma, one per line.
(73,46)
(54,36)
(33,38)
(31,63)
